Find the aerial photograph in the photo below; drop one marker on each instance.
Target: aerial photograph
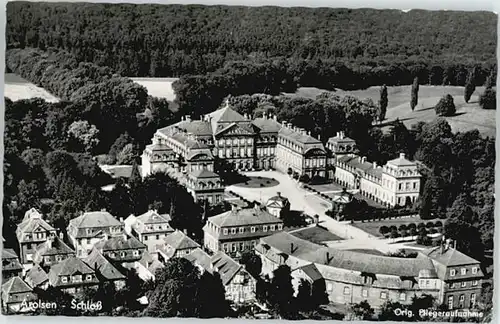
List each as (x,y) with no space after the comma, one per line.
(248,162)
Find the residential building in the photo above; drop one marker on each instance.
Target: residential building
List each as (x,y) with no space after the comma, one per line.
(238,283)
(205,185)
(36,277)
(32,232)
(349,276)
(52,251)
(11,267)
(176,245)
(123,249)
(239,230)
(104,270)
(14,292)
(146,267)
(460,276)
(151,229)
(395,183)
(278,205)
(72,275)
(90,228)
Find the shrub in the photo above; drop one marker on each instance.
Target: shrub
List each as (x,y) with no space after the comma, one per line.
(429,225)
(488,100)
(262,185)
(411,225)
(438,224)
(445,106)
(383,230)
(403,233)
(420,225)
(402,227)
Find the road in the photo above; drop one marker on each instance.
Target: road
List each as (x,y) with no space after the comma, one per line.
(302,200)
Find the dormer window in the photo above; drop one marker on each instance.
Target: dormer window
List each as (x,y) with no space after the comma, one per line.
(233,230)
(136,253)
(273,228)
(64,279)
(463,271)
(474,270)
(280,227)
(453,272)
(242,230)
(88,277)
(252,229)
(225,231)
(122,254)
(264,228)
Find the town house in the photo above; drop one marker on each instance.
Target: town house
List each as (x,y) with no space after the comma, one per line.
(90,228)
(123,249)
(176,245)
(239,230)
(11,267)
(52,251)
(32,232)
(151,229)
(14,292)
(72,275)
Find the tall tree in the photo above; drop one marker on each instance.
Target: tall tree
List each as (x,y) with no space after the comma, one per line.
(281,291)
(470,85)
(414,94)
(488,100)
(383,102)
(445,106)
(252,263)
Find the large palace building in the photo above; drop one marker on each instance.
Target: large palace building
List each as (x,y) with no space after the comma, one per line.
(443,272)
(188,150)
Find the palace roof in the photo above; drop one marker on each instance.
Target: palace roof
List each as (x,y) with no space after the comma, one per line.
(290,245)
(450,257)
(267,125)
(401,161)
(301,138)
(204,174)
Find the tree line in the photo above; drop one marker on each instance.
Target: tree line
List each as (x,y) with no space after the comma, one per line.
(110,104)
(175,40)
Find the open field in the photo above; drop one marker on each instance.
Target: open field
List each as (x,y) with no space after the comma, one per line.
(315,234)
(158,87)
(469,115)
(16,88)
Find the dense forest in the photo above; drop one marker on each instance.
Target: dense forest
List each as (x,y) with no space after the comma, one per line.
(175,40)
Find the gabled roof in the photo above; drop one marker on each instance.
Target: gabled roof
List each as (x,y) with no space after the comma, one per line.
(32,221)
(52,247)
(15,285)
(225,115)
(195,127)
(204,174)
(8,254)
(200,258)
(36,276)
(68,267)
(120,242)
(244,217)
(180,241)
(158,148)
(225,266)
(95,219)
(152,217)
(278,201)
(102,266)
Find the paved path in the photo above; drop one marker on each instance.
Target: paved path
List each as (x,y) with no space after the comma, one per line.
(302,200)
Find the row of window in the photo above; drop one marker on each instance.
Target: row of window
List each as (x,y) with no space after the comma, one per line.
(265,151)
(315,162)
(463,271)
(123,254)
(461,301)
(235,141)
(157,237)
(39,236)
(112,230)
(234,152)
(364,292)
(76,278)
(253,229)
(235,247)
(463,284)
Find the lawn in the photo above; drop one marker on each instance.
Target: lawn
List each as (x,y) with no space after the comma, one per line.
(315,234)
(158,87)
(258,182)
(367,251)
(373,227)
(17,88)
(469,115)
(326,188)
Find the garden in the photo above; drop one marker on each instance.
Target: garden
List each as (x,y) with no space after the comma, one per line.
(258,182)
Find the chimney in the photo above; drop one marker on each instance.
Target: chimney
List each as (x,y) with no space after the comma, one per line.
(374,165)
(50,242)
(319,137)
(309,133)
(185,231)
(279,194)
(234,207)
(121,219)
(188,118)
(264,116)
(401,155)
(328,259)
(61,235)
(316,219)
(363,159)
(283,123)
(275,118)
(342,135)
(338,134)
(125,237)
(182,118)
(105,236)
(103,209)
(291,248)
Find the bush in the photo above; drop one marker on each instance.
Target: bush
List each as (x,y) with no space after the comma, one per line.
(488,100)
(411,225)
(262,185)
(420,225)
(445,106)
(429,225)
(438,224)
(383,230)
(402,227)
